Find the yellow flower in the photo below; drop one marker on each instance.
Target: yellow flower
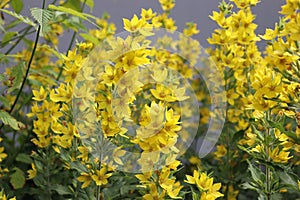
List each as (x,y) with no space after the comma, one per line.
(148,160)
(147,14)
(41,142)
(85,178)
(117,153)
(63,93)
(191,29)
(174,190)
(280,156)
(163,93)
(290,8)
(2,155)
(172,123)
(84,153)
(134,24)
(205,184)
(154,195)
(231,96)
(167,5)
(3,197)
(4,4)
(232,194)
(32,172)
(269,34)
(40,95)
(221,151)
(144,178)
(220,19)
(245,3)
(195,161)
(101,176)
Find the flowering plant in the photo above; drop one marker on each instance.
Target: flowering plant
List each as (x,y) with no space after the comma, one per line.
(136,114)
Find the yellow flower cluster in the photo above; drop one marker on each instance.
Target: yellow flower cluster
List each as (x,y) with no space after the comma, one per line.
(204,183)
(161,183)
(98,176)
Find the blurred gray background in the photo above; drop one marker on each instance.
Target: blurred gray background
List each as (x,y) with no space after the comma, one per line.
(197,11)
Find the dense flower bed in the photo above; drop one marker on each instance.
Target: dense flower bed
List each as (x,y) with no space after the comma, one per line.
(137,115)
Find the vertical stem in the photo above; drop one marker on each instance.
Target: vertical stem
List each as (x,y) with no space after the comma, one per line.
(28,68)
(268,170)
(98,195)
(70,45)
(48,174)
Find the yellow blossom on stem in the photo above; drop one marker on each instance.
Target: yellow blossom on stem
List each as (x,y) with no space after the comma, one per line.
(86,179)
(40,95)
(280,156)
(101,176)
(32,172)
(205,185)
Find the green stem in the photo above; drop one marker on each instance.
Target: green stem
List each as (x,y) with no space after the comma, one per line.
(27,70)
(98,195)
(268,170)
(70,45)
(18,41)
(69,48)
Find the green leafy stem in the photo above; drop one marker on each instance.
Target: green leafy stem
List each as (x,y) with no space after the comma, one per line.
(27,70)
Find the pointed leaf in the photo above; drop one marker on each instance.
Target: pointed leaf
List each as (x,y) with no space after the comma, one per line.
(256,174)
(2,77)
(7,119)
(17,179)
(24,158)
(282,129)
(16,75)
(43,16)
(26,20)
(17,5)
(7,37)
(89,3)
(61,189)
(70,11)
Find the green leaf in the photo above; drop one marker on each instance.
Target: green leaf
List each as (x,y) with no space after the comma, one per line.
(1,25)
(43,16)
(7,119)
(125,189)
(17,73)
(288,180)
(61,190)
(288,133)
(256,174)
(26,20)
(4,101)
(75,23)
(17,179)
(73,4)
(248,186)
(70,11)
(17,5)
(24,158)
(195,195)
(2,77)
(12,24)
(7,37)
(89,3)
(89,38)
(78,166)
